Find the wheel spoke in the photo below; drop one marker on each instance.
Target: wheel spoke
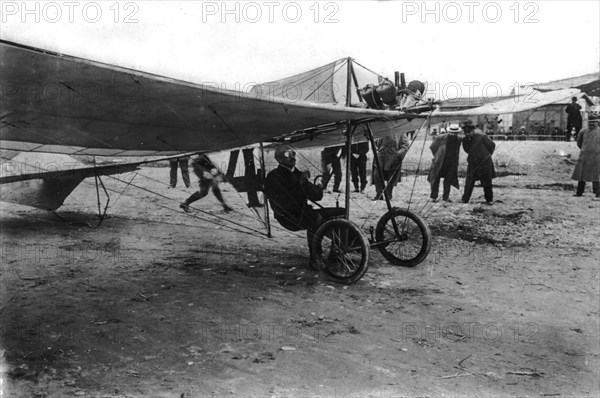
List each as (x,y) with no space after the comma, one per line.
(342,251)
(411,245)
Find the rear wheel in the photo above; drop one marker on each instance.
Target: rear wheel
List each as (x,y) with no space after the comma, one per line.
(408,242)
(341,251)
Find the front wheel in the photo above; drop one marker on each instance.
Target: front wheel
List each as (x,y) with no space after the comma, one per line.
(341,251)
(403,237)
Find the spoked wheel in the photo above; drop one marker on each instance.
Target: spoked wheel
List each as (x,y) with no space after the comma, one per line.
(341,251)
(408,242)
(318,179)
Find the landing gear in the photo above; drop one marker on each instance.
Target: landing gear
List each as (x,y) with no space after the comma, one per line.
(341,251)
(403,237)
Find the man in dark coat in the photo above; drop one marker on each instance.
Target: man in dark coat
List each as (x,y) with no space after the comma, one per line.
(574,118)
(332,165)
(391,152)
(588,163)
(288,190)
(479,148)
(358,165)
(446,149)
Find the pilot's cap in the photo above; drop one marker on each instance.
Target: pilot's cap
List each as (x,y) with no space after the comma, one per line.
(284,152)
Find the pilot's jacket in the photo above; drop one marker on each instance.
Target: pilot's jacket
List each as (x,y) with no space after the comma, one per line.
(288,192)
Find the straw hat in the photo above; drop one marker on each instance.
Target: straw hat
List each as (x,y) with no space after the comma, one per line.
(454,128)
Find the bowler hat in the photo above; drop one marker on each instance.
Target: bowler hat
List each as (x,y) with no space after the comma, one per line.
(468,123)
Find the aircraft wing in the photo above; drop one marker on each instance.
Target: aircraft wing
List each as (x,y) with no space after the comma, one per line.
(532,100)
(47,181)
(69,105)
(62,104)
(75,174)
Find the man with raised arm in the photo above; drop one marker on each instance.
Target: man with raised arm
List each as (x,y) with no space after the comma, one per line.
(208,176)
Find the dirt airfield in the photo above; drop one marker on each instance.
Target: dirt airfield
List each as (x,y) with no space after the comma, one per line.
(158,303)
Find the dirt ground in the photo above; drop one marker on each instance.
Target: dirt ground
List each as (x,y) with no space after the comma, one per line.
(158,303)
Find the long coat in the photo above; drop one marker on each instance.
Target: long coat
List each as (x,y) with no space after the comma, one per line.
(480,148)
(446,152)
(574,112)
(588,164)
(391,152)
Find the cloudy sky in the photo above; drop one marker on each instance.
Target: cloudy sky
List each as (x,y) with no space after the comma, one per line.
(466,44)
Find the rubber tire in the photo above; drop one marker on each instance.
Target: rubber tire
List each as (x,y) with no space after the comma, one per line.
(360,245)
(317,178)
(425,237)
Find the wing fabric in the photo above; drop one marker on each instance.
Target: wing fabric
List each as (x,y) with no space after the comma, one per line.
(589,84)
(48,190)
(63,104)
(532,100)
(45,180)
(46,194)
(316,86)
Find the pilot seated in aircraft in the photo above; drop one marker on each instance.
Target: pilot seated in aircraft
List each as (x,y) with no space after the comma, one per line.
(208,175)
(288,190)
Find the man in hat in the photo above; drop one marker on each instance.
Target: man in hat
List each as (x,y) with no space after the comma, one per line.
(588,164)
(446,151)
(574,119)
(479,148)
(391,152)
(288,190)
(208,175)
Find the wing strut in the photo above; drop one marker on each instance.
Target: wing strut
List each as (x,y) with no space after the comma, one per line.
(351,127)
(349,83)
(265,201)
(97,179)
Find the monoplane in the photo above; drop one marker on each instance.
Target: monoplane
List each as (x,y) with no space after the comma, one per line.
(56,103)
